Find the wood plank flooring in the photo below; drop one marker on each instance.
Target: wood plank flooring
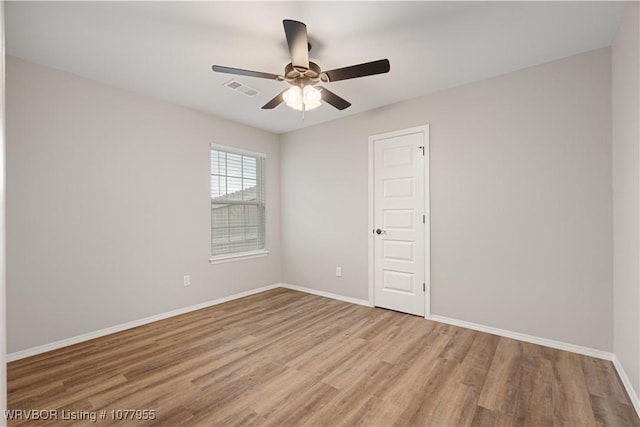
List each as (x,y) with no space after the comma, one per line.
(285,358)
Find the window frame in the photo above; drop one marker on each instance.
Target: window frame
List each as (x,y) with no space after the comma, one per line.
(237,256)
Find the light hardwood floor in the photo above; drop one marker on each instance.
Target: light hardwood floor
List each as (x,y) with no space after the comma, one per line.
(284,358)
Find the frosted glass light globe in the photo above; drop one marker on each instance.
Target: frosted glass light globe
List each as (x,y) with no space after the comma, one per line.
(311,97)
(293,97)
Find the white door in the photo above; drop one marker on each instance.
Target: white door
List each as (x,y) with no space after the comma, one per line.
(400,220)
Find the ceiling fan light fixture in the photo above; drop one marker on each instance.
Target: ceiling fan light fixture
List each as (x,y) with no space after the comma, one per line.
(296,98)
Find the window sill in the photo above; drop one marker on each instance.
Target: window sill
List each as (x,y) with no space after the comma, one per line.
(238,257)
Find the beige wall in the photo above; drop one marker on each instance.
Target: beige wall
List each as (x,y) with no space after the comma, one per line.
(521,200)
(108,206)
(626,192)
(3,307)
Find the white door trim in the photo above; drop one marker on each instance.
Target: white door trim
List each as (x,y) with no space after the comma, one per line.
(427,209)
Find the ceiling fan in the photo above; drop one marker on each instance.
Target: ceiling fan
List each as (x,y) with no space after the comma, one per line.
(304,75)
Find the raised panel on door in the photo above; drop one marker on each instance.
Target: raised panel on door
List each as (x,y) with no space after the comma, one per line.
(398,250)
(398,219)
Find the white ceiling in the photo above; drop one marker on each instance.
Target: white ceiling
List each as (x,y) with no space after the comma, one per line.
(166,49)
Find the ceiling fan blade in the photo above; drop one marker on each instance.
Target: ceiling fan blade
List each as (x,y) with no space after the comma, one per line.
(361,70)
(277,100)
(248,73)
(296,33)
(333,99)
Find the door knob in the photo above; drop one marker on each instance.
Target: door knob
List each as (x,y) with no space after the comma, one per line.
(378,231)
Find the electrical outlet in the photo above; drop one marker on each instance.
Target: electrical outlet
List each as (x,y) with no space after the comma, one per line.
(186,280)
(338,271)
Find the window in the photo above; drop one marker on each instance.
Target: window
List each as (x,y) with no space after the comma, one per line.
(237,204)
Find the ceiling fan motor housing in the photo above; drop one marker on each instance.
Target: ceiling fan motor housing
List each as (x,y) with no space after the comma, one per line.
(296,77)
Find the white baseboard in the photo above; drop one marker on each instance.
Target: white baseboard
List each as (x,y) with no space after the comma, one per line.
(124,326)
(627,384)
(325,294)
(586,351)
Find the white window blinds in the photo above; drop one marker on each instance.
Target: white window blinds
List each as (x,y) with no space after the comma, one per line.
(237,202)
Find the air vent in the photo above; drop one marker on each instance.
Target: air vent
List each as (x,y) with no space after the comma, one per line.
(241,87)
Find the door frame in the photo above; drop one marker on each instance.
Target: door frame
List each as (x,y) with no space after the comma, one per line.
(424,129)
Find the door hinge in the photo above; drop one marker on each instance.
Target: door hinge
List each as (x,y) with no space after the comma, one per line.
(422,148)
(424,287)
(424,220)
